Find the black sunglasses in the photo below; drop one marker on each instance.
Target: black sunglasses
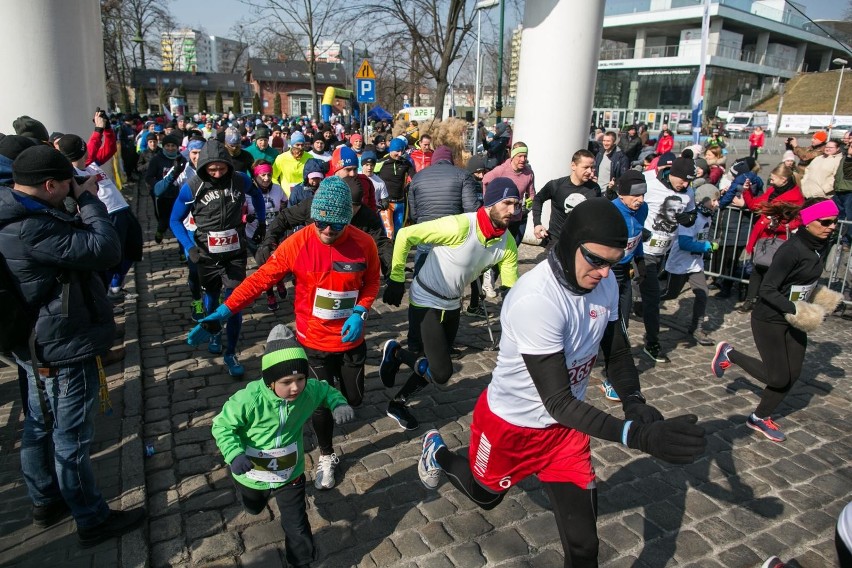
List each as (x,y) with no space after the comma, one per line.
(322,225)
(827,222)
(598,261)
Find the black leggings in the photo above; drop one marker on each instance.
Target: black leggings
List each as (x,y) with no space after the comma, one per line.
(431,332)
(782,352)
(345,371)
(754,282)
(575,509)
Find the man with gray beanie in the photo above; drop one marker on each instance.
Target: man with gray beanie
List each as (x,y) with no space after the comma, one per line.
(336,270)
(56,260)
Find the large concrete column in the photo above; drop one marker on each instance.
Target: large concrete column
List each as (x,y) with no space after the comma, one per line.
(825,61)
(54,64)
(760,48)
(800,56)
(639,45)
(556,82)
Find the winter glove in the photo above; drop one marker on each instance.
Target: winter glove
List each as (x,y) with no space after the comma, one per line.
(343,414)
(194,255)
(808,317)
(646,235)
(687,218)
(208,326)
(251,218)
(393,293)
(384,204)
(640,412)
(262,255)
(241,465)
(828,299)
(641,270)
(711,246)
(353,326)
(676,440)
(259,233)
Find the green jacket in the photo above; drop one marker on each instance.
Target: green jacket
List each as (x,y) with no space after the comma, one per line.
(269,154)
(842,184)
(256,417)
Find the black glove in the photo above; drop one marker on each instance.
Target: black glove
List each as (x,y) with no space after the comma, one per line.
(262,255)
(180,164)
(251,218)
(646,234)
(687,218)
(641,270)
(638,411)
(676,440)
(384,204)
(393,293)
(241,465)
(194,254)
(259,233)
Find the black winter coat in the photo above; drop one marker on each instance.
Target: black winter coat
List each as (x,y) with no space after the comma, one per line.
(441,189)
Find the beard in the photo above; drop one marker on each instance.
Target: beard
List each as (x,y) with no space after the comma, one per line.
(497,221)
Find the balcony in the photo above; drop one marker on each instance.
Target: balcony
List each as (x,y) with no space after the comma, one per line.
(661,51)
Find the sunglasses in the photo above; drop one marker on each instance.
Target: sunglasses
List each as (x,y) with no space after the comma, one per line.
(598,261)
(827,222)
(322,226)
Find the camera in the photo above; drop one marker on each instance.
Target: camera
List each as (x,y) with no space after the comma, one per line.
(787,144)
(81,179)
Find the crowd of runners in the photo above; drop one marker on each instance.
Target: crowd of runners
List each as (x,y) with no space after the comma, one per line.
(331,219)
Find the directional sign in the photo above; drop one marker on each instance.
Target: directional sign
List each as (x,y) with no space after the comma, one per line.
(365,90)
(365,71)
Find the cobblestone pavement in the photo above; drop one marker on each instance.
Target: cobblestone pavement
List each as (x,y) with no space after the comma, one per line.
(746,499)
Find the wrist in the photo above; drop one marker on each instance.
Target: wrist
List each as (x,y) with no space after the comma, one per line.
(625,431)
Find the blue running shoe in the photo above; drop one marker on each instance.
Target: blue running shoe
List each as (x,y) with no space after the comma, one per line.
(235,368)
(422,368)
(389,366)
(721,361)
(215,344)
(427,468)
(766,427)
(608,391)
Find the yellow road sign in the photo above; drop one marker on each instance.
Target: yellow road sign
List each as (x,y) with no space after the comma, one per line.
(365,71)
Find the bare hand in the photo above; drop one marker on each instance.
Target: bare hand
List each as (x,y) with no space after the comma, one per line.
(100,121)
(794,143)
(540,232)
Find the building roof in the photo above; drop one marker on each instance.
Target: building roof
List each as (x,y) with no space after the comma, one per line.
(151,78)
(292,71)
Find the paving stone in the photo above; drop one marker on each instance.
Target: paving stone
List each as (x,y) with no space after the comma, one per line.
(467,554)
(467,526)
(169,553)
(165,528)
(410,544)
(503,544)
(215,547)
(199,525)
(385,553)
(266,556)
(739,555)
(260,535)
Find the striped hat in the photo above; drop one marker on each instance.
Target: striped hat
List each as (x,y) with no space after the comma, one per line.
(283,357)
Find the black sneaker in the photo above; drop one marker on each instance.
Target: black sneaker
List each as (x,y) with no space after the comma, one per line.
(116,524)
(746,306)
(389,365)
(400,413)
(655,352)
(48,515)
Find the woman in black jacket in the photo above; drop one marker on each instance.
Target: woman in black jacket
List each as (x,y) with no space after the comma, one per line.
(790,304)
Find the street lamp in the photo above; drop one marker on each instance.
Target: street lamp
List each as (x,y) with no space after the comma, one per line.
(499,105)
(842,63)
(352,44)
(481,5)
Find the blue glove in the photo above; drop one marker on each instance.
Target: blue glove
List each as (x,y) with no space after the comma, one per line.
(209,325)
(241,465)
(353,326)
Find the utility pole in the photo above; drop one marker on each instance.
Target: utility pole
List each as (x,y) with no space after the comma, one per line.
(499,106)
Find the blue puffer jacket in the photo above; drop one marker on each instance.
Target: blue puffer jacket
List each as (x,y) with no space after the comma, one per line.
(55,258)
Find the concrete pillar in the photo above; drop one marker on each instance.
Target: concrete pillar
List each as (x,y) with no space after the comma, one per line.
(633,96)
(800,56)
(825,61)
(714,39)
(59,76)
(639,46)
(760,48)
(564,92)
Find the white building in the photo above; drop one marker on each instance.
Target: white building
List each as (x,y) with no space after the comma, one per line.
(190,50)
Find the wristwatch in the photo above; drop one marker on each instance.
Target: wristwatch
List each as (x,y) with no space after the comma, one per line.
(637,395)
(362,313)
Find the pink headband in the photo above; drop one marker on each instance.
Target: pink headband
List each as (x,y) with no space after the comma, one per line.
(819,210)
(262,169)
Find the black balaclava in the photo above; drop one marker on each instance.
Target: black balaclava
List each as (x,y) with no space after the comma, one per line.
(595,220)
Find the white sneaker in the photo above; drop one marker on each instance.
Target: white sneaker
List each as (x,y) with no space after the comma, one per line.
(488,285)
(324,477)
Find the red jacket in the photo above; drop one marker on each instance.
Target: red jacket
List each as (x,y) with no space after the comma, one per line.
(665,144)
(330,280)
(368,196)
(420,159)
(762,228)
(755,139)
(101,147)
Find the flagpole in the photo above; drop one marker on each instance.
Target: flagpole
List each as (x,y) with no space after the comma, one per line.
(698,88)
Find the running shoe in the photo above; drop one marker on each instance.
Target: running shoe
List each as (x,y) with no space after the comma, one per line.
(271,302)
(655,352)
(197,310)
(609,392)
(115,295)
(282,290)
(235,368)
(702,337)
(421,367)
(398,411)
(324,476)
(158,237)
(488,288)
(773,562)
(215,344)
(721,362)
(475,311)
(766,427)
(746,306)
(182,257)
(427,468)
(389,366)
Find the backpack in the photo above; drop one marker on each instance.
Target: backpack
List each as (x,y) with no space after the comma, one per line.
(16,319)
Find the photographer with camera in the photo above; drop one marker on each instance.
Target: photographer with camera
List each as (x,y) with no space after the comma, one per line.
(807,155)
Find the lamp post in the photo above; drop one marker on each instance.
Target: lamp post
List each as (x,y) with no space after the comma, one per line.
(843,63)
(352,44)
(481,5)
(499,105)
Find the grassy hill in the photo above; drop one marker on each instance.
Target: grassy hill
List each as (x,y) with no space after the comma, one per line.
(813,93)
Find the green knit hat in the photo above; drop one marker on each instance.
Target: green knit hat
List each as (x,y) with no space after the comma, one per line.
(284,356)
(332,202)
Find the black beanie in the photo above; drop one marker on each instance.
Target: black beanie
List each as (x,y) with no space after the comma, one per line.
(36,165)
(12,145)
(594,220)
(283,357)
(72,147)
(632,183)
(172,139)
(31,128)
(356,189)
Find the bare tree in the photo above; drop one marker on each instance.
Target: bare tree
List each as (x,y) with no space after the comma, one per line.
(300,22)
(438,30)
(146,17)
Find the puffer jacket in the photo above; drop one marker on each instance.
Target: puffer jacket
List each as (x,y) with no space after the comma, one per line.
(818,180)
(441,189)
(56,259)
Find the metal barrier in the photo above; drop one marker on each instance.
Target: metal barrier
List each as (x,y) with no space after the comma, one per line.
(732,228)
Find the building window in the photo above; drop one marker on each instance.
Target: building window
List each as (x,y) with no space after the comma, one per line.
(166,80)
(178,81)
(152,80)
(332,76)
(267,73)
(320,76)
(282,74)
(230,83)
(204,82)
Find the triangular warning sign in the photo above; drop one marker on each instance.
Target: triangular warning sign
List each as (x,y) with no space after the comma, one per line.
(365,71)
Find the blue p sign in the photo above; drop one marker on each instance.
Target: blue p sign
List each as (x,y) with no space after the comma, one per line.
(366,91)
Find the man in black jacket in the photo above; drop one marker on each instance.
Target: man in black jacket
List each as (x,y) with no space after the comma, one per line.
(56,260)
(610,163)
(630,144)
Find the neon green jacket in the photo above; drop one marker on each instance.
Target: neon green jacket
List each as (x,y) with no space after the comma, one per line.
(256,417)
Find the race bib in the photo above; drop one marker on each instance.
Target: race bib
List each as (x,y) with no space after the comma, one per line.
(273,466)
(632,244)
(578,375)
(330,304)
(223,241)
(659,243)
(802,292)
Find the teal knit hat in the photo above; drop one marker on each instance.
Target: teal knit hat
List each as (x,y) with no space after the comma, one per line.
(332,202)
